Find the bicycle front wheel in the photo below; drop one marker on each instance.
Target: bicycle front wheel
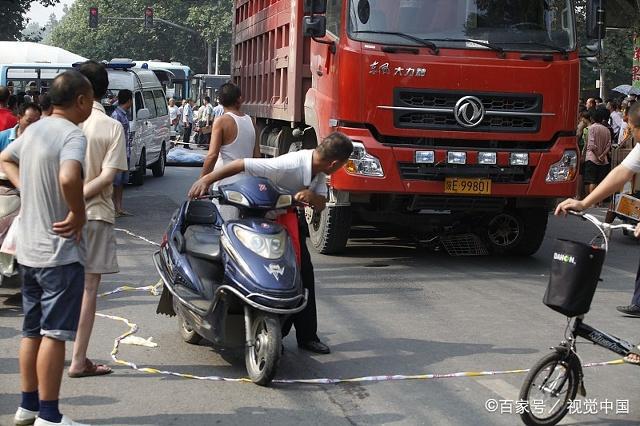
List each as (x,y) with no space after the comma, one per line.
(549,388)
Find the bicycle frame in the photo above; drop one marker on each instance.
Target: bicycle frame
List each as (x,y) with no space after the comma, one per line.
(600,338)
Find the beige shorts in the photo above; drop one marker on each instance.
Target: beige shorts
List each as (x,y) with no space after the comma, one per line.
(101,248)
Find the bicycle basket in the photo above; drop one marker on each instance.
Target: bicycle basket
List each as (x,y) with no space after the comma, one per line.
(575,271)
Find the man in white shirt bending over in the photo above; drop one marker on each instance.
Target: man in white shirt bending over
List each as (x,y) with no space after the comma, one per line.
(304,174)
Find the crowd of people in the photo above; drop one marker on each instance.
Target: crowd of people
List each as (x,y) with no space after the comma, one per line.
(603,136)
(189,123)
(67,168)
(64,167)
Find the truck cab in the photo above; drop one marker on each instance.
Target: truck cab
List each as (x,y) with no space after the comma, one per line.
(462,112)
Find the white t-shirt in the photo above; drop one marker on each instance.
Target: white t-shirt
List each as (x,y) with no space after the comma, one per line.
(218,111)
(616,121)
(173,113)
(290,171)
(632,161)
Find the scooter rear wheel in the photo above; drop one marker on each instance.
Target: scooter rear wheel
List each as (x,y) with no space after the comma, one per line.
(263,356)
(188,334)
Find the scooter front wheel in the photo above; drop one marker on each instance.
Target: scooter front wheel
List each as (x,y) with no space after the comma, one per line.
(549,388)
(263,353)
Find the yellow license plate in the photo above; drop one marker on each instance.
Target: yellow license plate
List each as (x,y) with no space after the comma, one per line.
(467,186)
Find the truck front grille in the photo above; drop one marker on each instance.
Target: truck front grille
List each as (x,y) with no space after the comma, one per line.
(497,174)
(434,110)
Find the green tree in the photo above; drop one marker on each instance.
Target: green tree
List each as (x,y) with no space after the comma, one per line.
(12,16)
(128,38)
(617,58)
(33,32)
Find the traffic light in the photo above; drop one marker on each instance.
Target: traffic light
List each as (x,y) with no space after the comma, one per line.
(596,19)
(148,17)
(594,49)
(93,17)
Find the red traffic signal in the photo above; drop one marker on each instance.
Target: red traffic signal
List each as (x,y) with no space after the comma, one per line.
(148,17)
(93,17)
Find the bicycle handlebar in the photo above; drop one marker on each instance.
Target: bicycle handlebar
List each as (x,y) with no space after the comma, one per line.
(604,227)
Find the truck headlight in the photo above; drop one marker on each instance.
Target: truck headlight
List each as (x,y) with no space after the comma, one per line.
(456,157)
(363,163)
(425,157)
(267,246)
(487,158)
(519,159)
(565,169)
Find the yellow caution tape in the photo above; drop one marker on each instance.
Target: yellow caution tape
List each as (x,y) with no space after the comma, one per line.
(155,291)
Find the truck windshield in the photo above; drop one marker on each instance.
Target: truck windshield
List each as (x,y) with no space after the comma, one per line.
(531,25)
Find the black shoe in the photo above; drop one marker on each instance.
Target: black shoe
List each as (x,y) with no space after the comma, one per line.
(631,310)
(315,346)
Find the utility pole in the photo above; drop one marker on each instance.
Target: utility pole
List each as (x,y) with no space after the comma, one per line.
(209,48)
(601,62)
(217,55)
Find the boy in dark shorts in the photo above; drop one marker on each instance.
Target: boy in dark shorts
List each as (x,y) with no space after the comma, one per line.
(47,163)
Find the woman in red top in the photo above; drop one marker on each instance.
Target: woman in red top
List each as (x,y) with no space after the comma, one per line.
(7,119)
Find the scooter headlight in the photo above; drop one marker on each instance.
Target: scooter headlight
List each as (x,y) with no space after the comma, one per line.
(267,246)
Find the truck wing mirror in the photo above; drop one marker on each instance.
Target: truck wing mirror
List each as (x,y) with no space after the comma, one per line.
(315,26)
(596,19)
(313,7)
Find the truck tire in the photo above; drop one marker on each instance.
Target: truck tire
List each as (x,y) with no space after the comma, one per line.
(141,171)
(517,232)
(158,167)
(329,230)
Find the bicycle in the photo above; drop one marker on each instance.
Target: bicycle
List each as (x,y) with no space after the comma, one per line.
(553,382)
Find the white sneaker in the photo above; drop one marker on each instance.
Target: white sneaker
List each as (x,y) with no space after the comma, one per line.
(66,421)
(24,417)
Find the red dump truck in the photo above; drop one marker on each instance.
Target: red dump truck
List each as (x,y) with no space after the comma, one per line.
(462,112)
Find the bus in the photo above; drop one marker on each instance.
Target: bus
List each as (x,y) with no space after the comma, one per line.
(178,86)
(31,78)
(30,67)
(207,85)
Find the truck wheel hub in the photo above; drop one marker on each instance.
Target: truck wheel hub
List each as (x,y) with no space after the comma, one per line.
(504,230)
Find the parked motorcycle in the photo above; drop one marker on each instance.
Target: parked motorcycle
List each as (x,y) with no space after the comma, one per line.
(234,282)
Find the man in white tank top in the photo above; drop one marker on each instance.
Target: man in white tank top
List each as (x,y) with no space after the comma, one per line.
(233,137)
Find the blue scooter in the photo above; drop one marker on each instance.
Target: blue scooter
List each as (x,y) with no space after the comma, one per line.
(232,283)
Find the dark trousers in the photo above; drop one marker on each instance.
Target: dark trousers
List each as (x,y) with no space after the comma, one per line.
(306,321)
(636,294)
(186,136)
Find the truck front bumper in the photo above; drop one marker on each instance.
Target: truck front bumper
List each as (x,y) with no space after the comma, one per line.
(402,175)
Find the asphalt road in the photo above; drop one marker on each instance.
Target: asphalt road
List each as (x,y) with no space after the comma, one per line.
(385,307)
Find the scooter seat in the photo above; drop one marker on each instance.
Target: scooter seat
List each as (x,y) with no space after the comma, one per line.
(203,241)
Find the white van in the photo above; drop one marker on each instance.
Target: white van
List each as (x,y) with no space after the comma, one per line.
(148,119)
